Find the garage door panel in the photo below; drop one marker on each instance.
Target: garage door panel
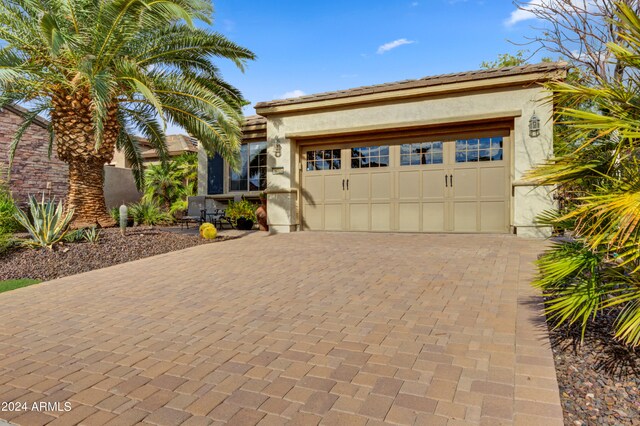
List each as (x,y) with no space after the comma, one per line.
(465,216)
(409,185)
(492,216)
(409,217)
(492,182)
(333,217)
(358,216)
(313,189)
(381,188)
(381,217)
(313,217)
(465,183)
(433,217)
(359,187)
(333,188)
(433,185)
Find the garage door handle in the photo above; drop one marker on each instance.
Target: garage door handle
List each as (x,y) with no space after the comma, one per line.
(446,184)
(347,184)
(343,184)
(451,180)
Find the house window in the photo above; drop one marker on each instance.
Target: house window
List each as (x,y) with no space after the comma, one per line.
(252,175)
(413,154)
(370,156)
(324,159)
(483,149)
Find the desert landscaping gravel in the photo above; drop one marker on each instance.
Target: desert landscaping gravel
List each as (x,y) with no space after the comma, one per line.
(598,379)
(111,249)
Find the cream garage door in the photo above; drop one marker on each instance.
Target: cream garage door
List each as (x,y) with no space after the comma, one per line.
(435,186)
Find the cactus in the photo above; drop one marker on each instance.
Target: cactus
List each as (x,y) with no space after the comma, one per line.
(210,233)
(204,226)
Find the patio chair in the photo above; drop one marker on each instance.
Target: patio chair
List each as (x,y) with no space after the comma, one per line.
(218,218)
(196,212)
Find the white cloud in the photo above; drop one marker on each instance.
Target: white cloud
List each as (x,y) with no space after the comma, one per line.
(393,44)
(526,12)
(292,94)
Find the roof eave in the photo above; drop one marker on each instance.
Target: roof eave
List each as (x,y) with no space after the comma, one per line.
(337,101)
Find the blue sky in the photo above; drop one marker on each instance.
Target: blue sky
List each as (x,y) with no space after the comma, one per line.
(306,47)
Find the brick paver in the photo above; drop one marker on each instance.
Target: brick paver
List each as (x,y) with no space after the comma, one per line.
(304,328)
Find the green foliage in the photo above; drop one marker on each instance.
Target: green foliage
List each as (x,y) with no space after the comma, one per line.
(47,223)
(151,61)
(114,212)
(170,184)
(7,242)
(243,208)
(178,207)
(74,236)
(596,170)
(91,235)
(149,213)
(8,223)
(504,60)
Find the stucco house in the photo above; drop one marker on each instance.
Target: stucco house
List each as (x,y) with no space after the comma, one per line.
(438,154)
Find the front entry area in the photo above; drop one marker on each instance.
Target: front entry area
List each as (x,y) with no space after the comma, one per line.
(452,184)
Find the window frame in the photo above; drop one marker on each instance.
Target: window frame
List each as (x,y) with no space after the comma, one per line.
(262,168)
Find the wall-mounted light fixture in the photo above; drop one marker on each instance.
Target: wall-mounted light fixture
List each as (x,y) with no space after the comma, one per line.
(277,146)
(534,126)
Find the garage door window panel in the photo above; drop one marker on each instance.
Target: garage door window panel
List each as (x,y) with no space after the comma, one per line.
(475,150)
(324,159)
(370,156)
(414,154)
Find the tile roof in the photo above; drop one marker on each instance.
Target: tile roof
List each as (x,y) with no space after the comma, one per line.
(421,82)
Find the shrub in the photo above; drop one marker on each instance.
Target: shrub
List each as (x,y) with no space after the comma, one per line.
(149,213)
(242,208)
(8,223)
(114,212)
(48,223)
(179,207)
(6,243)
(210,233)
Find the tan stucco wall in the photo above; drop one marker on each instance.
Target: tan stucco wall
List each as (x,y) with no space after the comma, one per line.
(517,103)
(527,151)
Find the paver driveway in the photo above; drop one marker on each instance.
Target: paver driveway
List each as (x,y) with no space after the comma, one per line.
(303,328)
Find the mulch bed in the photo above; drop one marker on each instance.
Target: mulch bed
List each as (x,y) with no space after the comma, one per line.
(598,379)
(111,249)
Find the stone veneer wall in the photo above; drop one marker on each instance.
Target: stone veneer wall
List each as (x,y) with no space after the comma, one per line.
(32,172)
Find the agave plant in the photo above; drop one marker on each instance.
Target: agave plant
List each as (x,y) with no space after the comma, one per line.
(48,223)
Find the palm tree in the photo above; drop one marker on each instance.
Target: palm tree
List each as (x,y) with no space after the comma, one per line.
(104,70)
(597,165)
(163,183)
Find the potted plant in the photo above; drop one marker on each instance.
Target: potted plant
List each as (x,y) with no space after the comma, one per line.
(242,214)
(261,212)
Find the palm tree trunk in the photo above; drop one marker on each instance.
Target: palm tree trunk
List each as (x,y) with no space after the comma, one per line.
(76,145)
(86,193)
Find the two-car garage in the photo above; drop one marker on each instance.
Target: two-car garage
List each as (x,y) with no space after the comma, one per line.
(424,184)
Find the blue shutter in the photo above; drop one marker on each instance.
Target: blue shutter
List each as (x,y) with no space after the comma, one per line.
(215,175)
